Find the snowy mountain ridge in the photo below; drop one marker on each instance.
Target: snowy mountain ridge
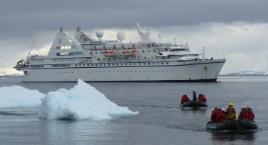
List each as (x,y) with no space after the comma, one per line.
(246,73)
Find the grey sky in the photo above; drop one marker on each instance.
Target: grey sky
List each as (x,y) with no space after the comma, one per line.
(20,16)
(22,21)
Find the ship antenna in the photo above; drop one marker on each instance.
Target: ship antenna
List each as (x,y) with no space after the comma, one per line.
(174,39)
(29,52)
(203,53)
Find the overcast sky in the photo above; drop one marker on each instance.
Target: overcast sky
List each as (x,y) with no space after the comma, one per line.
(236,29)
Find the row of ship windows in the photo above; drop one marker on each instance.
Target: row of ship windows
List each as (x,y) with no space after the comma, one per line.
(141,51)
(114,47)
(141,71)
(99,64)
(124,58)
(122,64)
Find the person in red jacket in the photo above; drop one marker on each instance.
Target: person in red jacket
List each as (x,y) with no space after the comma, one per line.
(251,115)
(221,116)
(242,114)
(184,98)
(246,114)
(202,98)
(214,115)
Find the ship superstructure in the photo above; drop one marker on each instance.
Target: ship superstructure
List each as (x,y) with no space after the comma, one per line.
(93,59)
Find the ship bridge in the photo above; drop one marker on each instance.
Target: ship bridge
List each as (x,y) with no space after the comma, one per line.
(63,45)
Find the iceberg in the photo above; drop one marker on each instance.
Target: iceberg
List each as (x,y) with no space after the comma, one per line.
(80,102)
(17,96)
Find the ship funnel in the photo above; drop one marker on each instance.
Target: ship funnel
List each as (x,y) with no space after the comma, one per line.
(61,29)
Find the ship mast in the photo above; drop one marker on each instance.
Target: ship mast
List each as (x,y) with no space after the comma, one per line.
(144,35)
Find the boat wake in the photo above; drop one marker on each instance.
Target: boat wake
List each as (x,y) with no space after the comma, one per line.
(190,127)
(152,106)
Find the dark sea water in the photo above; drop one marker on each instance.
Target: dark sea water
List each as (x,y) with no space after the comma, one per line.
(159,122)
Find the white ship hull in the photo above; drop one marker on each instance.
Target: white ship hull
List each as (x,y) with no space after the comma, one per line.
(180,71)
(113,60)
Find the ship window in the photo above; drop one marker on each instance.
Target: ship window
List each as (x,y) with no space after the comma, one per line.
(144,57)
(149,51)
(65,47)
(142,50)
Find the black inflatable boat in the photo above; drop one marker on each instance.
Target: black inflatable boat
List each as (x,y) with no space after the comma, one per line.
(194,105)
(234,125)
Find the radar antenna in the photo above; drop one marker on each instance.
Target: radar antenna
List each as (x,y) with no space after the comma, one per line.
(144,35)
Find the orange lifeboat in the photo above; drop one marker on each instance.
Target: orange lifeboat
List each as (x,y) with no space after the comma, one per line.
(129,52)
(109,53)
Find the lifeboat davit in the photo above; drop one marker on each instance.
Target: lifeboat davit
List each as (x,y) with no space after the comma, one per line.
(194,105)
(233,125)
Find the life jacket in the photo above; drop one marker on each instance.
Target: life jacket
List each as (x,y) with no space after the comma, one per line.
(184,99)
(246,115)
(202,98)
(221,117)
(251,116)
(230,114)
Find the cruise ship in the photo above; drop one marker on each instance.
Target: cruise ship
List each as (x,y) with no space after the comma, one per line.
(93,59)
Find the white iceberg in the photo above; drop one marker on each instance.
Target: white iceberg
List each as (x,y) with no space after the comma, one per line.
(17,96)
(80,102)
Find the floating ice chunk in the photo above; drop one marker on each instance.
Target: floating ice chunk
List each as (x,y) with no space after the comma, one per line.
(80,102)
(17,96)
